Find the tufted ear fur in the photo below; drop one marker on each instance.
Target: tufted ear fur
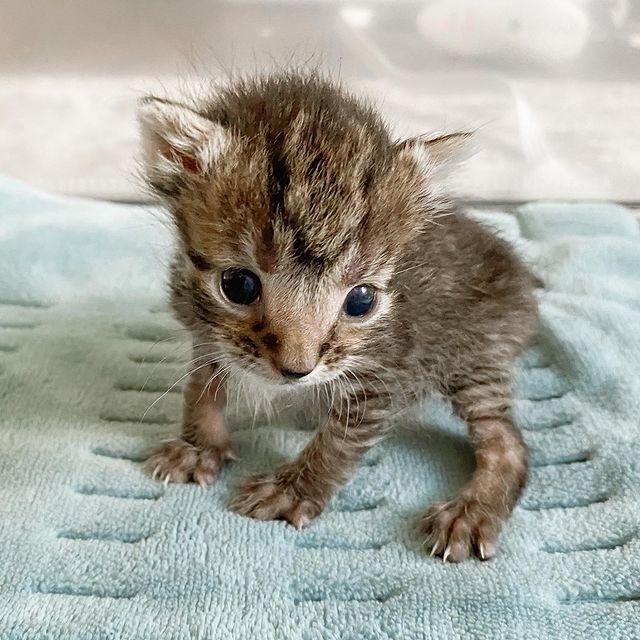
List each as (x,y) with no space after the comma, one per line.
(436,156)
(177,140)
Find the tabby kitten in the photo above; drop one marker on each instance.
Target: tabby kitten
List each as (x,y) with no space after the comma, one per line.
(314,250)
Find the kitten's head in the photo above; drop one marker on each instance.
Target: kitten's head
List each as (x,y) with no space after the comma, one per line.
(293,207)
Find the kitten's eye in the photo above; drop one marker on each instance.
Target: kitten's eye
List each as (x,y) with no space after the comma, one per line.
(359,301)
(240,285)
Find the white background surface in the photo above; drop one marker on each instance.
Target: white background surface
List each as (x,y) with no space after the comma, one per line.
(553,88)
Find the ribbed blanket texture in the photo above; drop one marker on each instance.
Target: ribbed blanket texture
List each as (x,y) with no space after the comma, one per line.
(91,547)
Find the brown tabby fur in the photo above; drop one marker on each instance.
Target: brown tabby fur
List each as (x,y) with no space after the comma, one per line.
(292,178)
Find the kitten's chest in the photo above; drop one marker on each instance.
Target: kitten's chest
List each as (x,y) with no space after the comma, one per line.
(253,403)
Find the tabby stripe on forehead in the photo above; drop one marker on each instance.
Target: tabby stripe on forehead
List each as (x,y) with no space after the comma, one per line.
(279,182)
(279,176)
(302,252)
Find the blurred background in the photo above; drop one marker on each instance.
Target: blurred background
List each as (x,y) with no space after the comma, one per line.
(552,86)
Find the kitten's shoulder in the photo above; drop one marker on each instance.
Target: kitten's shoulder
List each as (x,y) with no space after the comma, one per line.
(485,258)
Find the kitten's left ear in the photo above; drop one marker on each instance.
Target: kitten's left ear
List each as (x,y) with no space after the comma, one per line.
(435,156)
(177,140)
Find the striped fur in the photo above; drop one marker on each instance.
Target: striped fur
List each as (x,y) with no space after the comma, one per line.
(291,177)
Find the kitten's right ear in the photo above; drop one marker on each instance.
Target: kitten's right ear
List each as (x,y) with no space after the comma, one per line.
(176,140)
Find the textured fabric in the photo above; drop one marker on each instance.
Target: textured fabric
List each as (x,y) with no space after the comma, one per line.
(91,547)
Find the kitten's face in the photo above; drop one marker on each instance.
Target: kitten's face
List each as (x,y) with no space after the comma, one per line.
(285,322)
(293,207)
(289,281)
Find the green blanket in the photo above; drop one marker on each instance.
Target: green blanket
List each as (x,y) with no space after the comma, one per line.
(92,547)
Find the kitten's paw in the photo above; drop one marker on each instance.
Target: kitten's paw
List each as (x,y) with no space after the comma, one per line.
(179,461)
(458,529)
(269,497)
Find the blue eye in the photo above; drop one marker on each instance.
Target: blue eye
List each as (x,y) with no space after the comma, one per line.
(241,286)
(359,301)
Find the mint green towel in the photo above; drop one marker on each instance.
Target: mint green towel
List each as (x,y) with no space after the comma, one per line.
(91,547)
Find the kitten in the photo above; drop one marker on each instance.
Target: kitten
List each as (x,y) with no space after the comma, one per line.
(315,250)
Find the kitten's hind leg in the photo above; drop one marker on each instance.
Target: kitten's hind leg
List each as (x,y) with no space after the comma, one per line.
(471,523)
(204,445)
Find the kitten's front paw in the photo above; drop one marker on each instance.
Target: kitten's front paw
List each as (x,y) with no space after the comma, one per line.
(270,497)
(179,461)
(458,529)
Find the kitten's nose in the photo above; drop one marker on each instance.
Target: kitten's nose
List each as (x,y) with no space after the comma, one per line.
(290,373)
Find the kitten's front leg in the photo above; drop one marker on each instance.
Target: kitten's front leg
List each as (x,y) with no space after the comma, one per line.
(471,523)
(299,490)
(204,445)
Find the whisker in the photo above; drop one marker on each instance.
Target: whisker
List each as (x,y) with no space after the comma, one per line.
(178,381)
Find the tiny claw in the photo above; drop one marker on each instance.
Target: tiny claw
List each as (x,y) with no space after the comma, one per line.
(434,550)
(482,556)
(447,553)
(231,455)
(155,473)
(167,479)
